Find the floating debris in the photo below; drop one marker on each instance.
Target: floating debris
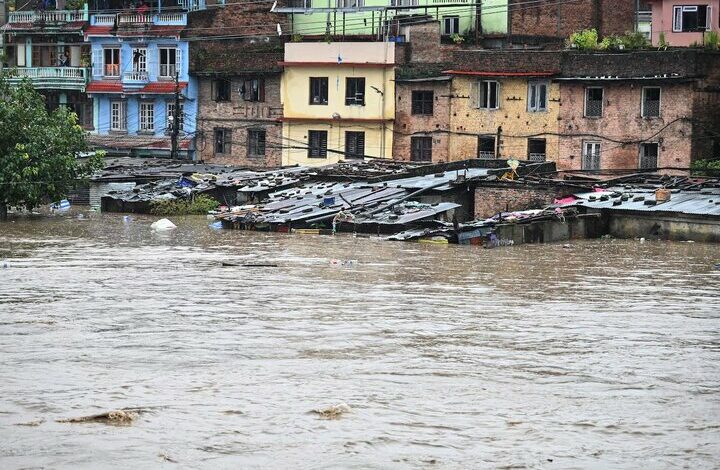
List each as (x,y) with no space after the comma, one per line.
(162,225)
(31,423)
(117,417)
(167,458)
(333,411)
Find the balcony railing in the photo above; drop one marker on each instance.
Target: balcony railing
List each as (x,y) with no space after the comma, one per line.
(136,77)
(56,16)
(62,78)
(163,19)
(536,157)
(104,20)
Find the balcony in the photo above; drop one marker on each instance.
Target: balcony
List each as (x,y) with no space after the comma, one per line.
(158,19)
(48,17)
(138,79)
(56,78)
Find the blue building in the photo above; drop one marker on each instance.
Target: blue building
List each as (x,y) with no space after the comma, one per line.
(139,65)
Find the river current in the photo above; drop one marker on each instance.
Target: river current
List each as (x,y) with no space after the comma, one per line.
(601,354)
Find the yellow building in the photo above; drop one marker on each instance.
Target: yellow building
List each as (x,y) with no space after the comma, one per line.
(338,101)
(504,115)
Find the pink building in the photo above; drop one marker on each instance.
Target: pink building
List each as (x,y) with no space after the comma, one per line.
(684,22)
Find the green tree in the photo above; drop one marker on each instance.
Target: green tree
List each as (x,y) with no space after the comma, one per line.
(38,149)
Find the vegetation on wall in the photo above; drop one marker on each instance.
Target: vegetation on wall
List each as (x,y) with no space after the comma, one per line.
(705,167)
(587,40)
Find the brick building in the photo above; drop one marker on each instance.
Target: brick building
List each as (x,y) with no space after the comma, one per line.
(647,110)
(548,19)
(239,108)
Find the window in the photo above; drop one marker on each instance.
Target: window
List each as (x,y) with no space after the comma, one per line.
(650,102)
(317,144)
(170,113)
(168,61)
(111,62)
(451,25)
(591,155)
(256,143)
(355,91)
(649,155)
(139,59)
(221,89)
(486,146)
(537,96)
(536,150)
(300,4)
(318,90)
(222,140)
(118,116)
(421,149)
(692,18)
(253,90)
(354,144)
(147,117)
(350,3)
(488,97)
(593,102)
(422,102)
(404,3)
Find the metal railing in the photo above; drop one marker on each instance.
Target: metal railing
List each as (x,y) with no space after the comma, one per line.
(536,157)
(56,16)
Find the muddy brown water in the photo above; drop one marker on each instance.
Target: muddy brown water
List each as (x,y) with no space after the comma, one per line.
(602,355)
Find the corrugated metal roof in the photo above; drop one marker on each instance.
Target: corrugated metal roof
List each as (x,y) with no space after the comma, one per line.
(421,182)
(703,202)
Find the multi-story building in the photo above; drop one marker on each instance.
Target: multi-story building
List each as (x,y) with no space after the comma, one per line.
(684,22)
(48,48)
(368,17)
(646,110)
(140,84)
(338,101)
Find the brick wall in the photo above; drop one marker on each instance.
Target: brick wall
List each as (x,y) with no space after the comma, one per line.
(550,18)
(621,126)
(240,115)
(408,124)
(490,200)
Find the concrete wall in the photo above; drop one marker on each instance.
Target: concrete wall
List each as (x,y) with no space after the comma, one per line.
(652,226)
(551,231)
(513,116)
(356,52)
(378,141)
(622,122)
(662,21)
(240,115)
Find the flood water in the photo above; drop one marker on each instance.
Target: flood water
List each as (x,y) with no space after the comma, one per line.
(602,355)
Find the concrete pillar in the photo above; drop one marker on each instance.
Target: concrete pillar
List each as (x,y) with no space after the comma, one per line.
(28,52)
(62,98)
(75,56)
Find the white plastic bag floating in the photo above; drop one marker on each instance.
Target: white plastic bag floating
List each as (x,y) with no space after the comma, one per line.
(163,224)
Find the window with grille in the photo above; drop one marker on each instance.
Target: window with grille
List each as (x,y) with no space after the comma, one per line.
(536,150)
(421,149)
(318,90)
(222,140)
(355,91)
(168,62)
(170,114)
(354,144)
(256,143)
(111,62)
(221,89)
(422,102)
(350,3)
(300,3)
(649,152)
(651,102)
(591,155)
(489,97)
(147,117)
(118,116)
(317,144)
(253,90)
(486,146)
(692,18)
(593,102)
(451,25)
(537,96)
(139,59)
